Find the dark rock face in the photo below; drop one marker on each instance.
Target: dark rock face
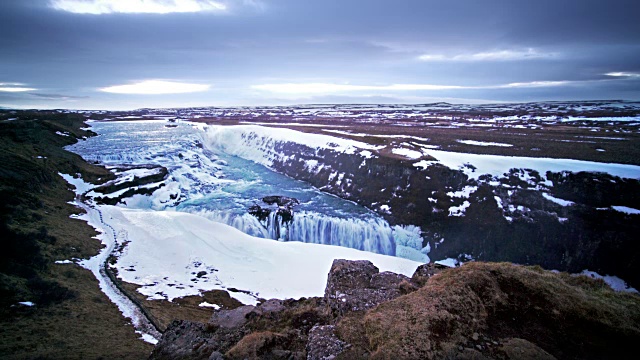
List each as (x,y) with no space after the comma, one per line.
(525,350)
(259,212)
(231,319)
(323,344)
(358,286)
(274,329)
(281,201)
(508,219)
(191,340)
(269,309)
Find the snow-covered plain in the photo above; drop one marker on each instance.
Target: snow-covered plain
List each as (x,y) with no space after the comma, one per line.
(168,249)
(498,165)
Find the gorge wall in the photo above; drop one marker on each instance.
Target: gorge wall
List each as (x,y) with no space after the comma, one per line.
(557,219)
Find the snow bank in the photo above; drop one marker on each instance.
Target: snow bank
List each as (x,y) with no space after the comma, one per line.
(259,143)
(81,186)
(626,210)
(408,153)
(108,236)
(168,249)
(497,165)
(561,202)
(483,143)
(614,282)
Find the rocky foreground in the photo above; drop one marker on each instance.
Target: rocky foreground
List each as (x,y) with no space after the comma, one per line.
(477,311)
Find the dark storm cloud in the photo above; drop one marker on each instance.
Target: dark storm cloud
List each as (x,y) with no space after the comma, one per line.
(360,41)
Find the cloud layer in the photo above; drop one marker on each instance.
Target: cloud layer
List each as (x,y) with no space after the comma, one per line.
(275,51)
(155,87)
(99,7)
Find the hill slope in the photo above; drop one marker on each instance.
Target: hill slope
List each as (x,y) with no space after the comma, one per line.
(68,311)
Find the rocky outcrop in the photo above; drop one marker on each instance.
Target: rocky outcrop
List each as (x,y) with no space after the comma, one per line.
(278,209)
(477,311)
(425,271)
(192,340)
(359,286)
(281,201)
(323,344)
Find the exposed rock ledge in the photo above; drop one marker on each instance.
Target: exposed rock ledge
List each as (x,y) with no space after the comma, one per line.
(477,311)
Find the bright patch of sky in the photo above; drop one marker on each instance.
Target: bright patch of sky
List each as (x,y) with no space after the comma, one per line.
(328,88)
(498,55)
(623,74)
(325,88)
(99,7)
(155,87)
(14,87)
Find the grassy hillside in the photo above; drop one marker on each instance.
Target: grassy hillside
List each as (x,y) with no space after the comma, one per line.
(71,318)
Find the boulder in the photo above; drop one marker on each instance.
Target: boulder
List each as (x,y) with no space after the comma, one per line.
(230,319)
(192,340)
(358,286)
(425,271)
(282,201)
(524,350)
(323,344)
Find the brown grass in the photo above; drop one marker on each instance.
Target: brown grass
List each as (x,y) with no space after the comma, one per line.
(187,308)
(569,317)
(85,325)
(255,345)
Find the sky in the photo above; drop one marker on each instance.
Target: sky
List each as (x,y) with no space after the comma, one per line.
(128,54)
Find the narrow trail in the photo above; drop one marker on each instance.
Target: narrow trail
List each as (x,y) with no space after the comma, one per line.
(129,307)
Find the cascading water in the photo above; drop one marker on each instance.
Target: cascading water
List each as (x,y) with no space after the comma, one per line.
(207,181)
(373,235)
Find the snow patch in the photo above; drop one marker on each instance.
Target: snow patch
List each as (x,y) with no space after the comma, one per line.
(483,143)
(459,210)
(497,165)
(558,201)
(408,153)
(208,305)
(81,186)
(626,210)
(614,282)
(448,262)
(424,163)
(464,193)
